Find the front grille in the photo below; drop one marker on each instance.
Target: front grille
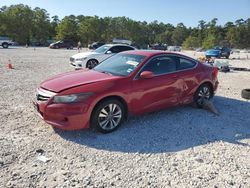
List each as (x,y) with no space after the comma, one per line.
(44,95)
(71,59)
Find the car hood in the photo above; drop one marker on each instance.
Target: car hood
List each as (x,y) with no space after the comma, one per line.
(84,54)
(72,79)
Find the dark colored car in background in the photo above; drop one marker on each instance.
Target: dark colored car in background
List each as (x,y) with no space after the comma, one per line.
(96,45)
(159,47)
(128,83)
(66,43)
(218,52)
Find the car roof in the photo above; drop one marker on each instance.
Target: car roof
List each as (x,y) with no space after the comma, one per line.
(117,44)
(149,53)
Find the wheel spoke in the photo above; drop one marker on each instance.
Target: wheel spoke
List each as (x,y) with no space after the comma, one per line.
(104,112)
(200,94)
(205,89)
(102,115)
(118,114)
(104,123)
(114,123)
(114,107)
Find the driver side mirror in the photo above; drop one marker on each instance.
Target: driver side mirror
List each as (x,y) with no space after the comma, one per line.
(109,52)
(146,74)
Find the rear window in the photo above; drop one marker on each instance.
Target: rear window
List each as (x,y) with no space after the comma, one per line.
(186,64)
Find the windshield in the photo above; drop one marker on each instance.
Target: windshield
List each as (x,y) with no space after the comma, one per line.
(120,64)
(102,49)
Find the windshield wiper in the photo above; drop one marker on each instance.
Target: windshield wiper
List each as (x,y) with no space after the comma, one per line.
(105,72)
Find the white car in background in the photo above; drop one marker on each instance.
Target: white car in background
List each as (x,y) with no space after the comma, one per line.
(174,48)
(92,58)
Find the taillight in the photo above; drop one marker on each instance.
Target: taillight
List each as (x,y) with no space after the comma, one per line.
(215,71)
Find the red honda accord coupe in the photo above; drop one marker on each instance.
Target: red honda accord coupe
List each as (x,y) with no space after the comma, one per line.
(129,83)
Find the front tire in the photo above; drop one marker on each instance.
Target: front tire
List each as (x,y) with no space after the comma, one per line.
(91,63)
(108,116)
(5,45)
(204,92)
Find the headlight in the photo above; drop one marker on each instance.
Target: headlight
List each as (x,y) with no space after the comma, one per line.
(72,98)
(81,59)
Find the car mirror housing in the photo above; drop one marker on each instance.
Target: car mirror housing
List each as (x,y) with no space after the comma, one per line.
(108,52)
(146,74)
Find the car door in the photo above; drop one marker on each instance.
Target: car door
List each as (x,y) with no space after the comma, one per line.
(189,76)
(160,91)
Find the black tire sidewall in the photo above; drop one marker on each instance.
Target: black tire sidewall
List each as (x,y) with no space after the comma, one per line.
(5,45)
(95,114)
(245,93)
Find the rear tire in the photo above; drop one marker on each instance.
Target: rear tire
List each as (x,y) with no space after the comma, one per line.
(108,116)
(204,92)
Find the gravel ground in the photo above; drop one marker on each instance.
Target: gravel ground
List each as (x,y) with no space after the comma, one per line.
(177,147)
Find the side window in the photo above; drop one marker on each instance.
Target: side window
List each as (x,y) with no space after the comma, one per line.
(115,49)
(125,48)
(161,65)
(186,64)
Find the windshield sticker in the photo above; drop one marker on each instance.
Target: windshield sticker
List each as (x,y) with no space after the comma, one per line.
(129,70)
(134,63)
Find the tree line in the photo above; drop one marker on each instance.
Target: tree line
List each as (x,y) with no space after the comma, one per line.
(24,25)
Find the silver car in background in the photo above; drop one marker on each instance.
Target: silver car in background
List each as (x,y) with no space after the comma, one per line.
(174,48)
(91,58)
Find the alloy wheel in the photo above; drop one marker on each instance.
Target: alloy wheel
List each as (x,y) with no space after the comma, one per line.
(92,63)
(110,117)
(204,93)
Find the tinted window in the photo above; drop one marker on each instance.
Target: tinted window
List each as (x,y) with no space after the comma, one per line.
(186,64)
(125,48)
(161,65)
(115,49)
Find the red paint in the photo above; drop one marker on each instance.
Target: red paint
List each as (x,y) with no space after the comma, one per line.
(10,66)
(141,95)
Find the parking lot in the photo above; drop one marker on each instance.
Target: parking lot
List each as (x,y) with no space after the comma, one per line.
(177,147)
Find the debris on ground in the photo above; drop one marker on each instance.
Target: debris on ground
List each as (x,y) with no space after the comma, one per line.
(208,105)
(43,158)
(41,151)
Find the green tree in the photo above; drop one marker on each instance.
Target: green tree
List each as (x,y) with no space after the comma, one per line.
(209,41)
(41,25)
(191,42)
(179,34)
(67,29)
(53,25)
(19,22)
